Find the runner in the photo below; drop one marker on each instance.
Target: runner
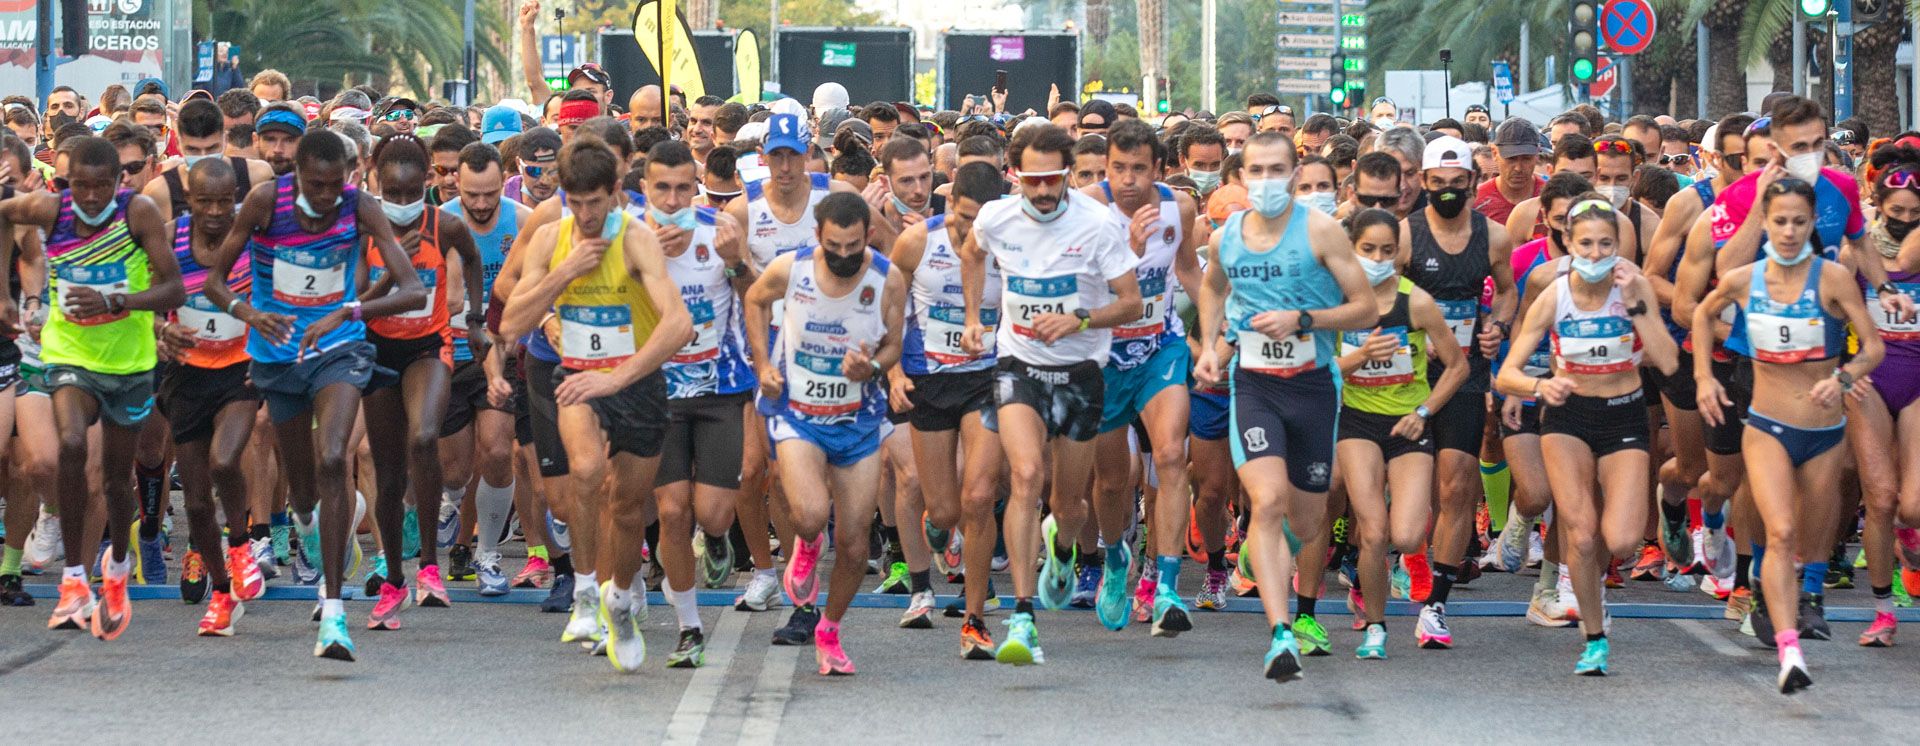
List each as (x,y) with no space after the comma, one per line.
(202,137)
(1285,303)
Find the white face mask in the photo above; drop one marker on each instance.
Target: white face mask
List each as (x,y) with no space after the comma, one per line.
(1616,194)
(1384,123)
(1806,166)
(1322,201)
(1377,272)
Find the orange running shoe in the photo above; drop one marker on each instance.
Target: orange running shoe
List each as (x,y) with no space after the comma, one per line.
(1196,544)
(1650,562)
(115,609)
(222,612)
(244,575)
(975,642)
(75,610)
(1613,575)
(193,578)
(1419,577)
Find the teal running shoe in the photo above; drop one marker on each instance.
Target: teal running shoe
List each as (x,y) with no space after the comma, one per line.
(1399,584)
(282,548)
(1056,575)
(1374,646)
(310,543)
(1169,615)
(410,535)
(334,642)
(1022,646)
(1593,662)
(1311,636)
(1283,657)
(1113,604)
(376,575)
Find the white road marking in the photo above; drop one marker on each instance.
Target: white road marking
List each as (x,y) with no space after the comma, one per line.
(696,703)
(770,694)
(1712,639)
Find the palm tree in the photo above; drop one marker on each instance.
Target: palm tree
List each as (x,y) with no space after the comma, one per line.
(325,41)
(1873,70)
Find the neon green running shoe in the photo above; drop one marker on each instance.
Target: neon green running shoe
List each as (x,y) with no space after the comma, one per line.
(1312,636)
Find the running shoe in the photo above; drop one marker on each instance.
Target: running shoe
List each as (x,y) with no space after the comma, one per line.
(410,534)
(1813,617)
(763,593)
(222,612)
(429,590)
(1170,615)
(799,627)
(1718,587)
(584,624)
(1651,561)
(386,611)
(243,573)
(1022,646)
(153,561)
(1086,584)
(801,582)
(309,541)
(953,557)
(999,562)
(690,651)
(1355,609)
(1243,586)
(1431,631)
(1546,610)
(1678,545)
(262,552)
(1839,575)
(76,606)
(1213,591)
(448,526)
(1793,671)
(957,608)
(1739,604)
(1419,577)
(559,598)
(1283,657)
(1568,599)
(716,566)
(376,575)
(334,642)
(1399,582)
(1719,552)
(1593,660)
(1310,635)
(1197,544)
(975,643)
(1143,593)
(1677,581)
(919,612)
(1056,575)
(898,581)
(115,610)
(826,650)
(939,540)
(1762,620)
(1536,547)
(487,574)
(12,593)
(626,648)
(1901,582)
(460,562)
(281,535)
(193,578)
(535,574)
(1613,579)
(44,546)
(1111,604)
(1373,647)
(305,572)
(1880,633)
(1698,541)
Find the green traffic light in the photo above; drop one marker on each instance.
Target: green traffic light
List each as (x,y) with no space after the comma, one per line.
(1338,96)
(1583,70)
(1815,8)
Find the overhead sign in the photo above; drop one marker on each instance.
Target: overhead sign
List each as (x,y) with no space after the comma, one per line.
(1627,25)
(1305,41)
(1007,48)
(1502,81)
(838,54)
(1603,80)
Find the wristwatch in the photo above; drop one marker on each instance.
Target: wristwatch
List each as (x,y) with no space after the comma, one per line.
(1506,330)
(1085,317)
(1888,288)
(1638,309)
(1845,378)
(1306,321)
(353,309)
(1423,412)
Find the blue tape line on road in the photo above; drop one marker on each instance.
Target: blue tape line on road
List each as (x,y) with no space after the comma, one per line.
(1850,614)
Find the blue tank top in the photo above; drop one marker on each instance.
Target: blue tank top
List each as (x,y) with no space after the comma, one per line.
(1773,332)
(304,275)
(1285,277)
(493,247)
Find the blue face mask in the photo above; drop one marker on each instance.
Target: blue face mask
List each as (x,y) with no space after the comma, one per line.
(900,207)
(187,161)
(1026,205)
(1270,196)
(1322,201)
(1377,272)
(96,219)
(682,218)
(1595,270)
(307,207)
(1207,181)
(610,227)
(1773,253)
(403,214)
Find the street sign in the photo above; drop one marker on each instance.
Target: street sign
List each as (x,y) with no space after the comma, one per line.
(556,54)
(1305,41)
(1308,19)
(1299,64)
(837,54)
(1502,81)
(1627,26)
(1312,87)
(203,56)
(1603,80)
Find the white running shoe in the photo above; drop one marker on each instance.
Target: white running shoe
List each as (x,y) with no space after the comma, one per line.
(44,547)
(762,594)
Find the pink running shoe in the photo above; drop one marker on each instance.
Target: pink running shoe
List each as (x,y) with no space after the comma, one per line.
(1143,598)
(1880,633)
(537,574)
(800,582)
(826,649)
(428,590)
(386,611)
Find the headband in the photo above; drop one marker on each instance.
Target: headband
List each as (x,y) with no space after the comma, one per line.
(281,116)
(1592,204)
(575,112)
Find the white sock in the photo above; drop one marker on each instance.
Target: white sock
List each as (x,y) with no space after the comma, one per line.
(768,572)
(584,580)
(332,607)
(493,504)
(686,605)
(119,569)
(75,572)
(619,598)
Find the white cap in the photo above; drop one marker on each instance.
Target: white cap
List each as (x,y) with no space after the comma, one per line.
(1447,152)
(1710,142)
(785,105)
(752,131)
(349,114)
(1028,122)
(829,95)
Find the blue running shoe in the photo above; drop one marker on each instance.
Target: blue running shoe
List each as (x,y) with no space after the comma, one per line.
(560,596)
(1374,647)
(1593,662)
(310,543)
(305,572)
(447,524)
(1283,657)
(410,535)
(1085,585)
(1056,575)
(153,561)
(1022,646)
(334,642)
(376,575)
(558,534)
(1114,605)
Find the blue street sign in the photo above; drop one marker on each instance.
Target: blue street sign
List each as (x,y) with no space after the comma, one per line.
(1502,82)
(203,72)
(556,54)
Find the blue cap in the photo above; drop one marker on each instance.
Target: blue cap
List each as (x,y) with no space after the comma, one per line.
(144,82)
(500,123)
(282,120)
(787,131)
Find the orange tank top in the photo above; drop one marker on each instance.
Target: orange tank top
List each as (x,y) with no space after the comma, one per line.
(431,265)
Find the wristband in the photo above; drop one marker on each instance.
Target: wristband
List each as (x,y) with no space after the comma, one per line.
(353,310)
(231,304)
(1888,288)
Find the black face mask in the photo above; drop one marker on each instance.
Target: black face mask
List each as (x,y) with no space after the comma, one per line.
(1558,237)
(1898,229)
(1449,203)
(845,266)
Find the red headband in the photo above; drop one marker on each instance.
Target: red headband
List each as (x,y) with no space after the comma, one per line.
(575,112)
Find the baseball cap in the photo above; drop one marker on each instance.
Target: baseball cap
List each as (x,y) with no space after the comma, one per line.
(501,122)
(830,120)
(784,105)
(829,95)
(1710,141)
(787,131)
(1447,151)
(151,85)
(591,72)
(1516,137)
(348,114)
(282,120)
(1471,108)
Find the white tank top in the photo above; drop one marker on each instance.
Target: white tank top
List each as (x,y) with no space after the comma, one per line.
(820,331)
(1593,342)
(715,362)
(1137,340)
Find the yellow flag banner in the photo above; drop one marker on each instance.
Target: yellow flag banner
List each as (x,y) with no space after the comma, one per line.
(683,69)
(746,66)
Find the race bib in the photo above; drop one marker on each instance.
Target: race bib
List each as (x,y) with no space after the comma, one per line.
(946,326)
(1028,298)
(428,278)
(595,337)
(1460,315)
(1596,345)
(1277,357)
(1786,339)
(105,279)
(1392,371)
(310,278)
(706,334)
(1153,317)
(1892,327)
(213,329)
(816,388)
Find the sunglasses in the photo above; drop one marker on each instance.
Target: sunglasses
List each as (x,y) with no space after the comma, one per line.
(1621,147)
(398,114)
(1669,160)
(1903,179)
(1287,110)
(1735,161)
(133,168)
(534,172)
(1375,200)
(1588,206)
(1038,178)
(445,170)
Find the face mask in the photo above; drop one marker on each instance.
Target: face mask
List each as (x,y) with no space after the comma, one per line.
(1788,261)
(403,214)
(95,219)
(307,207)
(1206,180)
(1898,229)
(1270,197)
(1449,203)
(1377,272)
(1233,151)
(1026,206)
(1595,270)
(1384,123)
(1322,201)
(1615,194)
(682,218)
(900,206)
(1882,233)
(187,161)
(610,226)
(1559,238)
(1806,166)
(845,266)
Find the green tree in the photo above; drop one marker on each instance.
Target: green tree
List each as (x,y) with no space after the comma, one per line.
(319,42)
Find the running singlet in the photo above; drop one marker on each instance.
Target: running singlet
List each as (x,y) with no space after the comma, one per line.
(1902,336)
(431,265)
(219,340)
(304,275)
(768,237)
(493,247)
(715,362)
(1455,281)
(606,315)
(937,309)
(1592,342)
(108,262)
(1397,385)
(1059,266)
(1286,276)
(1836,211)
(1137,340)
(177,187)
(1793,332)
(821,330)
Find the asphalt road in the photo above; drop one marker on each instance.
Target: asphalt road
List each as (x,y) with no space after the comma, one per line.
(496,673)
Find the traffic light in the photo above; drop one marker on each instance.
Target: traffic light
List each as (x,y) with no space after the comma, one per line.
(1337,91)
(1583,39)
(1356,92)
(1868,12)
(1815,8)
(1166,97)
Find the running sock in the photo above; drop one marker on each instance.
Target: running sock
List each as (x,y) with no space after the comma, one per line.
(1117,554)
(1759,556)
(1882,596)
(332,607)
(686,605)
(1217,560)
(152,482)
(619,598)
(1497,480)
(1716,520)
(1596,636)
(920,581)
(1813,578)
(10,562)
(236,540)
(1545,581)
(1065,553)
(583,580)
(1306,604)
(1742,566)
(562,564)
(1443,578)
(1786,638)
(260,531)
(539,551)
(119,569)
(1169,574)
(74,572)
(493,504)
(1023,606)
(1675,514)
